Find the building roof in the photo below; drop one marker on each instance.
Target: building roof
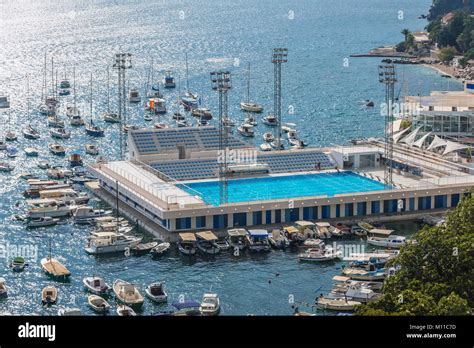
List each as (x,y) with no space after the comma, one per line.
(421,36)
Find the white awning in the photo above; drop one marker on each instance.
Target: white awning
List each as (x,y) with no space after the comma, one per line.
(419,143)
(397,136)
(411,138)
(437,142)
(451,146)
(396,125)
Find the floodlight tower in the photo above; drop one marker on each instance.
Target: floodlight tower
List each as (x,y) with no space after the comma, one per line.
(222,83)
(123,61)
(279,56)
(387,76)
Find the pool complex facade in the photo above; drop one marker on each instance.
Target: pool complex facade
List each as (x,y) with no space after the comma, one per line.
(287,186)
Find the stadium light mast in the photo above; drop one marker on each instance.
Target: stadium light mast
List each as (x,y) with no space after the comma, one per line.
(222,83)
(279,56)
(123,61)
(387,76)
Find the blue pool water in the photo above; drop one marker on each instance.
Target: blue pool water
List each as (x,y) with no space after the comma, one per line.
(288,186)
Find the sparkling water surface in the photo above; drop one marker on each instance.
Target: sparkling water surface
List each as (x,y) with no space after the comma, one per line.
(321,96)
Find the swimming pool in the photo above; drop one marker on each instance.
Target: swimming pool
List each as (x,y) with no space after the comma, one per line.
(288,186)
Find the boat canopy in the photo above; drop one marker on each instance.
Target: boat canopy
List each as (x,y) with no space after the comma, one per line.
(323,224)
(258,233)
(187,237)
(304,223)
(185,304)
(381,231)
(237,232)
(206,235)
(291,229)
(340,278)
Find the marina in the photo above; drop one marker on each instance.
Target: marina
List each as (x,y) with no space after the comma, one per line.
(114,173)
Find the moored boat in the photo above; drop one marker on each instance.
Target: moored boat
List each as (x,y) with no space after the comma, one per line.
(210,305)
(237,238)
(57,149)
(126,293)
(49,295)
(18,264)
(258,241)
(339,304)
(143,248)
(97,303)
(42,222)
(156,292)
(125,311)
(187,243)
(92,149)
(96,285)
(206,243)
(53,268)
(160,249)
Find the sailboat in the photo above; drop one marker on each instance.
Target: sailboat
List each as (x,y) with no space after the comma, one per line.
(109,116)
(153,89)
(65,83)
(29,132)
(91,128)
(248,105)
(53,267)
(189,100)
(10,135)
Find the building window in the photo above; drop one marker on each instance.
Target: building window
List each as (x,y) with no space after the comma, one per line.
(338,210)
(183,223)
(375,207)
(349,209)
(424,203)
(441,201)
(361,208)
(412,204)
(200,221)
(277,216)
(326,212)
(257,217)
(455,197)
(390,206)
(268,216)
(431,108)
(310,213)
(454,108)
(240,219)
(220,221)
(292,214)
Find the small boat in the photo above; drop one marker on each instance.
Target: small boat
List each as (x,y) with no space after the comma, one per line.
(96,285)
(237,238)
(42,222)
(92,149)
(156,292)
(3,287)
(365,226)
(339,304)
(130,127)
(202,122)
(18,264)
(270,120)
(10,136)
(3,145)
(178,116)
(30,133)
(210,305)
(257,241)
(31,152)
(223,244)
(346,230)
(335,232)
(142,249)
(12,151)
(168,81)
(187,243)
(251,107)
(227,122)
(388,242)
(93,130)
(297,143)
(362,274)
(69,312)
(125,311)
(156,105)
(45,109)
(246,130)
(57,149)
(319,255)
(87,215)
(76,120)
(189,100)
(4,101)
(65,83)
(202,113)
(6,167)
(126,293)
(161,125)
(75,160)
(322,230)
(265,147)
(278,240)
(206,243)
(56,122)
(268,137)
(275,146)
(111,117)
(148,117)
(250,119)
(60,133)
(160,249)
(134,96)
(43,164)
(54,268)
(64,91)
(103,242)
(358,231)
(97,303)
(49,295)
(186,308)
(183,123)
(287,129)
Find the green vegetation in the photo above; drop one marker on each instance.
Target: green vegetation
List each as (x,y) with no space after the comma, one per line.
(442,7)
(437,273)
(446,54)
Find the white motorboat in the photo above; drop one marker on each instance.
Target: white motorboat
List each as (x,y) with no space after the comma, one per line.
(76,120)
(4,101)
(270,120)
(3,287)
(92,149)
(31,151)
(161,125)
(257,241)
(183,123)
(134,96)
(60,133)
(56,122)
(246,130)
(42,222)
(130,127)
(87,214)
(388,242)
(335,232)
(111,117)
(52,210)
(202,113)
(110,242)
(97,303)
(319,254)
(268,137)
(227,122)
(57,149)
(354,290)
(69,312)
(148,117)
(143,248)
(297,143)
(210,305)
(251,107)
(206,243)
(322,230)
(287,129)
(126,293)
(265,147)
(274,145)
(156,292)
(362,274)
(168,81)
(45,109)
(250,119)
(160,249)
(237,238)
(125,311)
(339,304)
(187,243)
(156,105)
(96,285)
(30,133)
(49,295)
(43,164)
(189,100)
(6,167)
(10,135)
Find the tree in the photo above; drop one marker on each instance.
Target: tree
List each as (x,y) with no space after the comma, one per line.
(405,33)
(446,54)
(436,275)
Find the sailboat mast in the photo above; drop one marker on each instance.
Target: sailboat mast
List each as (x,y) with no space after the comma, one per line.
(108,89)
(74,88)
(52,75)
(91,99)
(28,97)
(187,73)
(248,84)
(43,89)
